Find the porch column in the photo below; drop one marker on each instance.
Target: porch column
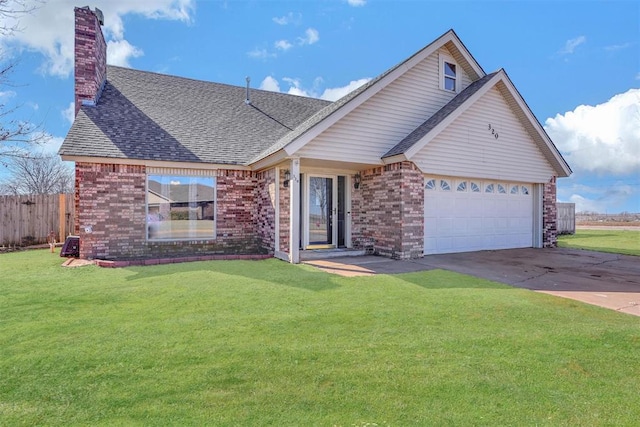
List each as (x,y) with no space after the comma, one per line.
(294,212)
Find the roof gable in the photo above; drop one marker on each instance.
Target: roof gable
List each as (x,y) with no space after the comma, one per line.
(432,127)
(369,131)
(439,119)
(332,113)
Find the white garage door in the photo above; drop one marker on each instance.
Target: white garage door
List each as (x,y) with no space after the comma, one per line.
(462,215)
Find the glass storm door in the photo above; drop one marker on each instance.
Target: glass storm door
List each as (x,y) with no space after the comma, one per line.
(320,212)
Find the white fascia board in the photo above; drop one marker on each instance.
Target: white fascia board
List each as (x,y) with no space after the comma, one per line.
(269,161)
(466,54)
(451,117)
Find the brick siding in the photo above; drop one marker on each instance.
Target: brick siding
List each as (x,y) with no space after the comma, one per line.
(388,211)
(284,200)
(111,210)
(549,215)
(266,209)
(90,57)
(111,220)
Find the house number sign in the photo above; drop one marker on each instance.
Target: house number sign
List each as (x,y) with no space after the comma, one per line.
(493,130)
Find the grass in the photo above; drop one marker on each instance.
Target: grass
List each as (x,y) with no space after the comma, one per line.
(625,242)
(244,343)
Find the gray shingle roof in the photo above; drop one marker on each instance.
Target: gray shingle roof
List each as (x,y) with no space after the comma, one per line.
(438,117)
(148,116)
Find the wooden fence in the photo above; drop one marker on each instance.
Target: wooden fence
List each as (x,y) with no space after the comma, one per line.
(566,218)
(29,220)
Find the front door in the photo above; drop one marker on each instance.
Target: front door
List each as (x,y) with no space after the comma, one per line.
(324,212)
(320,212)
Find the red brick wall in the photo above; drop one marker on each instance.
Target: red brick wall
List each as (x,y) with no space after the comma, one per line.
(284,200)
(549,215)
(90,57)
(111,210)
(112,215)
(388,211)
(266,209)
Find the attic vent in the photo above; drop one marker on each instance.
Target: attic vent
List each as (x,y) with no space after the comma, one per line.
(248,98)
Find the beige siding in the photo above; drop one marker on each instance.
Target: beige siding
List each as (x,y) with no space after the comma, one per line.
(467,147)
(376,126)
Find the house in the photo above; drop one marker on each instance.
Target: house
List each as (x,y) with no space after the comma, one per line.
(432,156)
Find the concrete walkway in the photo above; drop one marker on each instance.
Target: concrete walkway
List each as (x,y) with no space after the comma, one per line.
(606,280)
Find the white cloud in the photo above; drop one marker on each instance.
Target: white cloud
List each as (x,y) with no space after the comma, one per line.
(283,45)
(52,145)
(43,143)
(610,199)
(333,94)
(289,18)
(258,53)
(616,47)
(174,182)
(119,52)
(270,84)
(296,87)
(571,44)
(49,29)
(357,3)
(4,95)
(601,139)
(69,113)
(311,36)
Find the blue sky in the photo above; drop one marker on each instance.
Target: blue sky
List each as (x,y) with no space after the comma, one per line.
(577,64)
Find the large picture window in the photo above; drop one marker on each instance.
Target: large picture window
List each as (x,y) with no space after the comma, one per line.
(181,207)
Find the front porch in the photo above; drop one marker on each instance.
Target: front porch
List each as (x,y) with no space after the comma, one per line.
(332,209)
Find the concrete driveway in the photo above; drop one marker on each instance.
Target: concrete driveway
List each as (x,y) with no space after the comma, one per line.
(606,280)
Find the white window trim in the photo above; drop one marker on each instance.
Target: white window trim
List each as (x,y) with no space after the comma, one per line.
(446,58)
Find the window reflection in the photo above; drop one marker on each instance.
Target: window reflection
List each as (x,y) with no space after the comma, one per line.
(180,207)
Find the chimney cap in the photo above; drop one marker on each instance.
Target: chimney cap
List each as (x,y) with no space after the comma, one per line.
(99,15)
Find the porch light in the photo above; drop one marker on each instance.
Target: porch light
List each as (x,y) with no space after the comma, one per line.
(287,177)
(356,180)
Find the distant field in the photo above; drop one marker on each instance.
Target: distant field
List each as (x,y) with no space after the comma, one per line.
(613,224)
(605,239)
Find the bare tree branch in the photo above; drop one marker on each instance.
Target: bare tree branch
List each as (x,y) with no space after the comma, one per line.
(15,134)
(38,174)
(12,10)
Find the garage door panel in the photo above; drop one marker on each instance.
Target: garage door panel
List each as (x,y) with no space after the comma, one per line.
(460,221)
(474,225)
(445,225)
(444,244)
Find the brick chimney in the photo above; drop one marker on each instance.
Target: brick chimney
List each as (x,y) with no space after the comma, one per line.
(90,56)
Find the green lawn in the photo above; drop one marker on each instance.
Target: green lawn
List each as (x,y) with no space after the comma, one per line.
(616,241)
(254,343)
